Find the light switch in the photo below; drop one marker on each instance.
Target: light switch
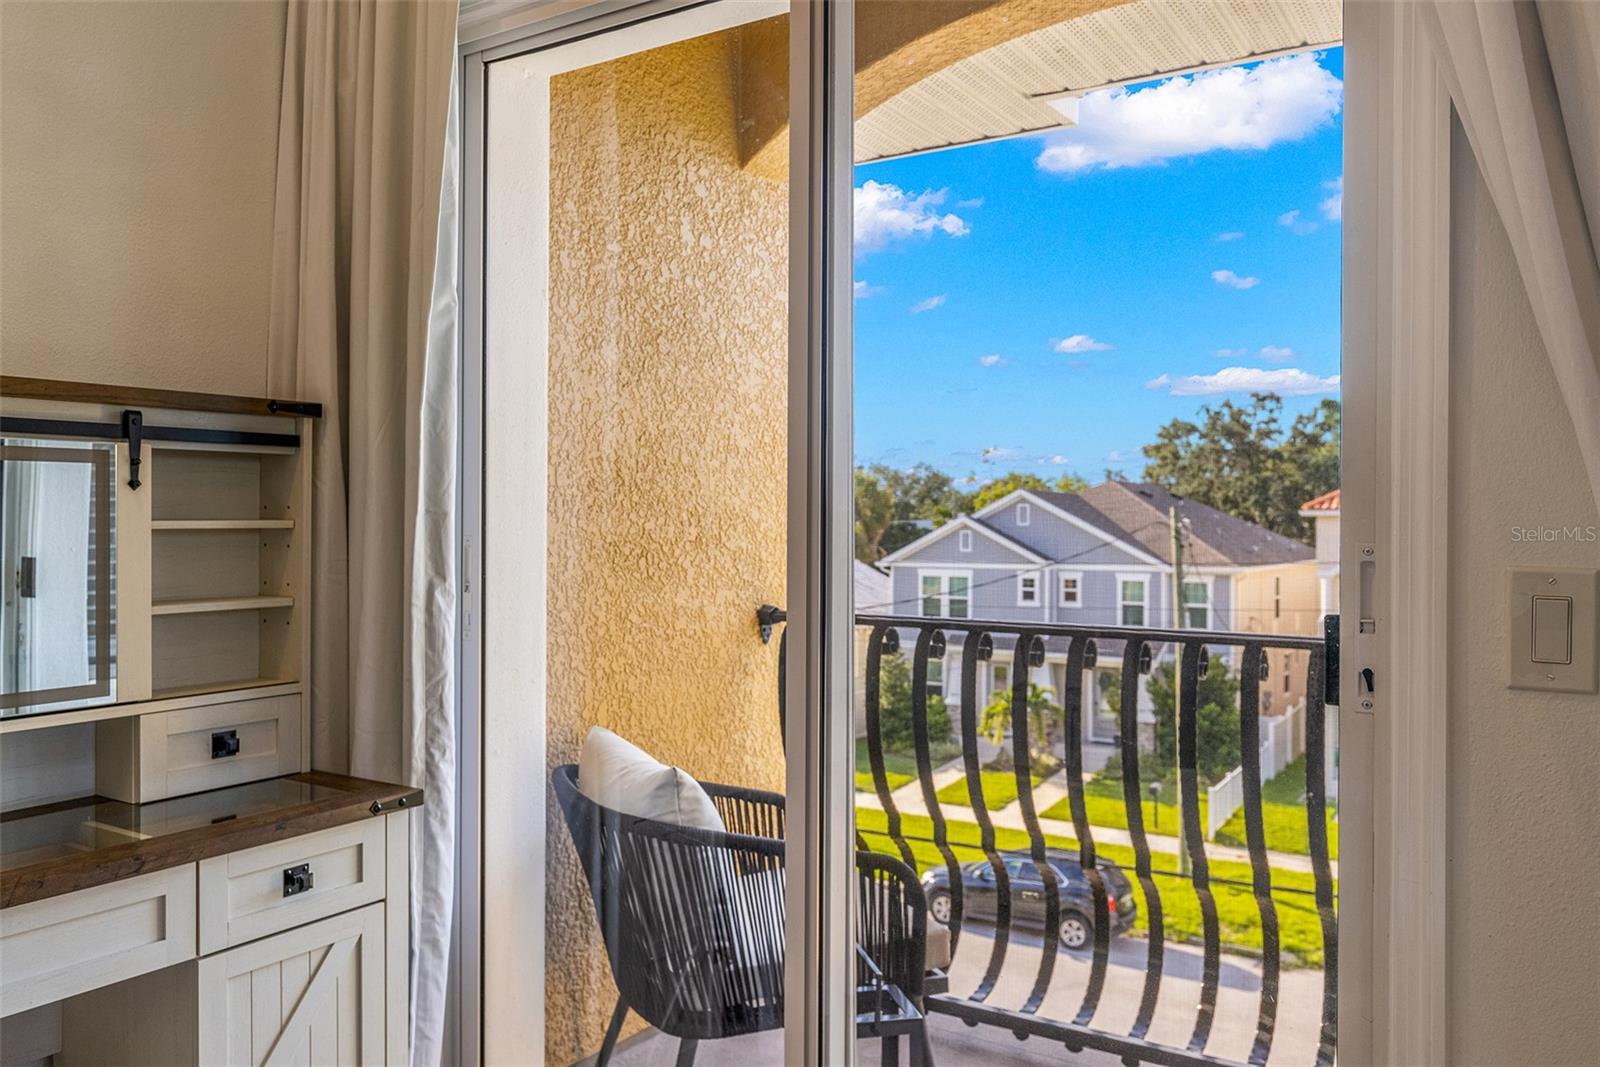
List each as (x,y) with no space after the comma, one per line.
(1552,629)
(1555,629)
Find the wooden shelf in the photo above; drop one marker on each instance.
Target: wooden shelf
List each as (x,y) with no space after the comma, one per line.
(179,692)
(236,603)
(222,524)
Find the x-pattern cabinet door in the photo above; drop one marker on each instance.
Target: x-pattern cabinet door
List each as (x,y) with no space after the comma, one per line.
(311,995)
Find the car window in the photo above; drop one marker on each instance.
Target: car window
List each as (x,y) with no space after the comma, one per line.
(1022,870)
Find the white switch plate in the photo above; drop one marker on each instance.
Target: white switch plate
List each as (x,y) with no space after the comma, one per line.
(1582,586)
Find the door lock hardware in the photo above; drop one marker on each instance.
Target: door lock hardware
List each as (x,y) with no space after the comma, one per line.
(224,743)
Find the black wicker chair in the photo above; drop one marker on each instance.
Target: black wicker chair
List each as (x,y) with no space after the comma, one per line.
(693,920)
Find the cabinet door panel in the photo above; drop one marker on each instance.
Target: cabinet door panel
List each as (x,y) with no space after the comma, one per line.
(312,995)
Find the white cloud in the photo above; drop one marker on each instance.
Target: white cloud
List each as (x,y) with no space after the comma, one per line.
(1116,455)
(1333,207)
(1230,235)
(1058,461)
(1276,353)
(928,304)
(1231,353)
(976,201)
(1232,108)
(885,213)
(993,359)
(1286,381)
(863,290)
(1081,342)
(1233,281)
(1001,453)
(1291,220)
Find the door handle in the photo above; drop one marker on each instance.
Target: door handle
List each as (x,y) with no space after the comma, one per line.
(27,577)
(224,743)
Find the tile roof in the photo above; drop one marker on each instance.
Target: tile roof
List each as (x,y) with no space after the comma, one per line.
(1136,512)
(1328,501)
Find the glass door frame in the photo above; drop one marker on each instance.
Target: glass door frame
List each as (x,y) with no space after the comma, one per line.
(497,1001)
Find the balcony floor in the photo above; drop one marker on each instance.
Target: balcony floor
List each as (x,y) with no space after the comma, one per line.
(1300,995)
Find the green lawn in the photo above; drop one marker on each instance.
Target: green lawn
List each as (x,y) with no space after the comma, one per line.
(1299,927)
(999,789)
(1283,816)
(1102,800)
(898,768)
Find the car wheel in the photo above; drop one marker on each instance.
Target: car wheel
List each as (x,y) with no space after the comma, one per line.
(1075,930)
(939,906)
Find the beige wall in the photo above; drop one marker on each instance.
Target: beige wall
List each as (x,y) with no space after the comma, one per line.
(137,148)
(1280,600)
(1523,936)
(668,422)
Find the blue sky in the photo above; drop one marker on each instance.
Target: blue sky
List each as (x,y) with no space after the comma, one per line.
(1046,303)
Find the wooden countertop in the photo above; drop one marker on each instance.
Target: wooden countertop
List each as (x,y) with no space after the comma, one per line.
(115,840)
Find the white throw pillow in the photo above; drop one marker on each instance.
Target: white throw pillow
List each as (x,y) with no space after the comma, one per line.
(620,775)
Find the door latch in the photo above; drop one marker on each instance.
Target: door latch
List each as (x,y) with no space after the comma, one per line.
(297,880)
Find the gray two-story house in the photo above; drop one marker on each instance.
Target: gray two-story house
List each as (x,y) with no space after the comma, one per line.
(1101,557)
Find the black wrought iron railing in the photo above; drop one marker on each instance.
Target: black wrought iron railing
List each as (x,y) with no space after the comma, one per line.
(1140,648)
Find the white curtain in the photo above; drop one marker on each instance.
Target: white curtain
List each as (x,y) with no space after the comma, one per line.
(1525,80)
(356,325)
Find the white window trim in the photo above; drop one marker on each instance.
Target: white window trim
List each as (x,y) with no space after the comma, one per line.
(1143,578)
(1024,514)
(944,574)
(964,541)
(1023,577)
(1061,601)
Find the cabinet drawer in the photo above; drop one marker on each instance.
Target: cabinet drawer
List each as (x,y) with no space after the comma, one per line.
(65,945)
(259,891)
(173,753)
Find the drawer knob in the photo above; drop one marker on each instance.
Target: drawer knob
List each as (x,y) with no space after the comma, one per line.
(297,879)
(224,743)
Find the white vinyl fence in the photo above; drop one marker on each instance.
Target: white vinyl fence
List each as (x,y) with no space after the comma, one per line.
(1282,739)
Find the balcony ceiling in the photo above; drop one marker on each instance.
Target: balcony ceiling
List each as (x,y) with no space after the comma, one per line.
(1005,90)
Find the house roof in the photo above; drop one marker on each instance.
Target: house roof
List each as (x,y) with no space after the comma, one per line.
(1326,504)
(1136,512)
(967,522)
(874,589)
(1005,90)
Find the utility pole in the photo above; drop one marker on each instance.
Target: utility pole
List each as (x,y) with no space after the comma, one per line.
(1177,672)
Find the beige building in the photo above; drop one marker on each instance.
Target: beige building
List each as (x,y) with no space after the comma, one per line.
(1293,598)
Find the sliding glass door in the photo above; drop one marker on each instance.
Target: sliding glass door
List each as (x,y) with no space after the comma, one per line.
(660,374)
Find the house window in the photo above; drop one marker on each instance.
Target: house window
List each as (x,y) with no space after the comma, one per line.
(1069,587)
(964,540)
(1277,598)
(1027,590)
(1197,605)
(936,677)
(1000,678)
(1133,590)
(946,595)
(1288,670)
(1024,514)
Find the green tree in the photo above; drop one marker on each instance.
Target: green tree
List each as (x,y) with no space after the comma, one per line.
(1240,460)
(895,720)
(1217,725)
(922,495)
(996,488)
(1044,722)
(874,515)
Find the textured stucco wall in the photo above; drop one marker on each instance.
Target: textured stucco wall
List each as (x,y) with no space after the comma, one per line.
(139,143)
(668,423)
(1523,942)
